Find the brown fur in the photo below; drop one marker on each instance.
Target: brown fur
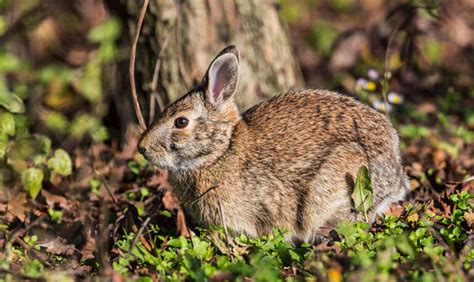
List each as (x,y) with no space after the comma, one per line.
(289,162)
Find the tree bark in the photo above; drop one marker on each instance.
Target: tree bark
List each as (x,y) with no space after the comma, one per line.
(184,36)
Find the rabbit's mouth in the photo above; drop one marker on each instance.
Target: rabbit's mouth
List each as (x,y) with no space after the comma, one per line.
(160,161)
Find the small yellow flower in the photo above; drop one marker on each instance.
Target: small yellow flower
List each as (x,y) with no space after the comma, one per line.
(380,105)
(395,98)
(371,86)
(334,274)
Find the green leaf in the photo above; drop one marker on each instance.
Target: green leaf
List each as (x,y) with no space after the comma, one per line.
(90,84)
(8,62)
(348,231)
(16,105)
(108,31)
(83,124)
(362,195)
(61,163)
(166,213)
(3,147)
(175,242)
(57,121)
(7,124)
(32,179)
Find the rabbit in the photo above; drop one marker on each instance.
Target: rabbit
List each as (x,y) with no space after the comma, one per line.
(289,162)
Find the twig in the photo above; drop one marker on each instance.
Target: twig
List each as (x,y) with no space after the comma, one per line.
(16,234)
(386,73)
(154,96)
(199,197)
(181,68)
(33,252)
(101,177)
(224,223)
(139,233)
(133,54)
(20,275)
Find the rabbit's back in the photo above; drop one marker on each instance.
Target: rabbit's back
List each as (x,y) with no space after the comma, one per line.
(297,156)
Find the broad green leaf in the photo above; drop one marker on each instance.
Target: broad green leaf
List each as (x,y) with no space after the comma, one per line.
(57,121)
(347,230)
(32,180)
(16,105)
(60,163)
(83,124)
(7,124)
(90,85)
(175,242)
(8,62)
(362,195)
(45,143)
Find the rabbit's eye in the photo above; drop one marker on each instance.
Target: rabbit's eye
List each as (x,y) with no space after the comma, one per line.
(181,122)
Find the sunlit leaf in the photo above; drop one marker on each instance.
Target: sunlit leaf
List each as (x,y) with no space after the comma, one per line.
(8,62)
(3,147)
(56,121)
(7,124)
(347,231)
(60,163)
(362,195)
(83,124)
(32,179)
(90,85)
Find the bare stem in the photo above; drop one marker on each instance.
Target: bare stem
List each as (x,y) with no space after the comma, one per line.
(386,73)
(133,54)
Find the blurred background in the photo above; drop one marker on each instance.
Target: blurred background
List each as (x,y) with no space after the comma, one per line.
(67,126)
(66,61)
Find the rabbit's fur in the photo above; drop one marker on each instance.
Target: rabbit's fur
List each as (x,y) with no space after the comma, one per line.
(289,162)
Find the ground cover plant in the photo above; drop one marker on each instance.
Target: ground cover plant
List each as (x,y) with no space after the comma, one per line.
(78,201)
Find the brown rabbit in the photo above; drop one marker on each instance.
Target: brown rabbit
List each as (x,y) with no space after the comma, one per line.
(289,162)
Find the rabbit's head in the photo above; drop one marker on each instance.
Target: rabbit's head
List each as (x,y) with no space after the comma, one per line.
(196,129)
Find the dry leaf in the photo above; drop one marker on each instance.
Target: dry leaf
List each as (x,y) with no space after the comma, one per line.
(395,210)
(171,202)
(17,207)
(89,246)
(52,199)
(469,217)
(57,247)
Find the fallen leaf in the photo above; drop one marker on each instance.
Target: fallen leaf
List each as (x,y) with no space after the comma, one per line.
(469,217)
(395,210)
(89,246)
(52,199)
(171,202)
(58,247)
(17,207)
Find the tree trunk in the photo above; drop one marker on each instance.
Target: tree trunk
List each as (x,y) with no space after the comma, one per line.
(184,36)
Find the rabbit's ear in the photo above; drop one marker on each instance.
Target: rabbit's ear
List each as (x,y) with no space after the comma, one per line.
(222,77)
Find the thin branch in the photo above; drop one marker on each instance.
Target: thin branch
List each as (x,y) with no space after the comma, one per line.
(224,223)
(182,69)
(386,73)
(139,234)
(154,96)
(199,197)
(133,54)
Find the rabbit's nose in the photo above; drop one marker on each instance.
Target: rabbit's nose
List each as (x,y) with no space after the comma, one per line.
(141,149)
